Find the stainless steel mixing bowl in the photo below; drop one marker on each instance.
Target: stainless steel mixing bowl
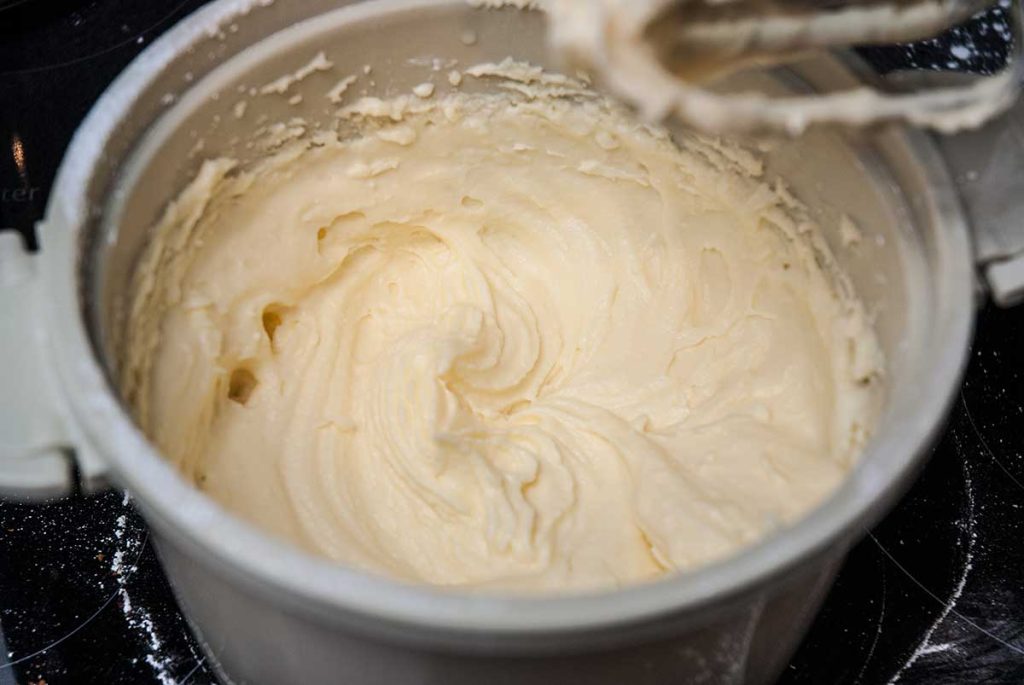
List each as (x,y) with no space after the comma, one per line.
(268,613)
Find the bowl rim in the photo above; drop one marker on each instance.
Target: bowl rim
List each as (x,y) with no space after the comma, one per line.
(238,550)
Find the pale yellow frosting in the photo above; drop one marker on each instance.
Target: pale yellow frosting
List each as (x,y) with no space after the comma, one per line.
(518,342)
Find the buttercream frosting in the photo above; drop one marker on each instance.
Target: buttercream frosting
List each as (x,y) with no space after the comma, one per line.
(502,340)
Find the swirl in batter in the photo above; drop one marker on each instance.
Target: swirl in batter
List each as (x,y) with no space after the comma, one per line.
(502,341)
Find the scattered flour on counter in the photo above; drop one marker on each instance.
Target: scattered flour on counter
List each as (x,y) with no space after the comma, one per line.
(136,616)
(926,647)
(960,52)
(935,649)
(130,545)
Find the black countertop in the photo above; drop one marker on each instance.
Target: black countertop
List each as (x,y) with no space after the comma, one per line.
(933,595)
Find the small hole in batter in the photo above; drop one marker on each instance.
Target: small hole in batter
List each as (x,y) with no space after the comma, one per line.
(273,317)
(241,386)
(341,226)
(471,202)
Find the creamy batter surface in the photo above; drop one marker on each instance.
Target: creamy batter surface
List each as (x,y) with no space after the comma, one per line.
(502,340)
